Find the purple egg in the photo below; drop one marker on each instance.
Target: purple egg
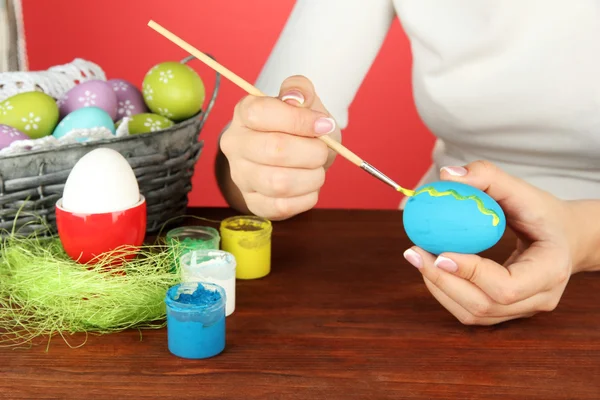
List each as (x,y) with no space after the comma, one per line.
(129,99)
(94,93)
(8,134)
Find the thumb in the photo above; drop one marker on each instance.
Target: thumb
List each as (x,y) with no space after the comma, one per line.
(299,91)
(513,194)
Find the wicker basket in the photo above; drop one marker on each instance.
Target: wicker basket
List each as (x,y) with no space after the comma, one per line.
(163,162)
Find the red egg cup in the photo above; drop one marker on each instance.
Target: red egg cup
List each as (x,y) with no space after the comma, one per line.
(85,237)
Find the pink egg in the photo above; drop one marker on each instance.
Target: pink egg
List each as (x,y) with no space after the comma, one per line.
(94,93)
(8,134)
(129,99)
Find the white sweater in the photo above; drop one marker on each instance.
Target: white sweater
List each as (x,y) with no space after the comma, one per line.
(516,82)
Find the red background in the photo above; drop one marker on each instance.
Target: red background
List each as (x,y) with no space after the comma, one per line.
(384,127)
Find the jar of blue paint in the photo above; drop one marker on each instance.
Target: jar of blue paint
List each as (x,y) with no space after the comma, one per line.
(196,319)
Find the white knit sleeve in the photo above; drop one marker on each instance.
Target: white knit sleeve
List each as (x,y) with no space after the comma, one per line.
(331,42)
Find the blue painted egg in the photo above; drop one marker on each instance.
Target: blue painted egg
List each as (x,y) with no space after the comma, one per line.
(84,118)
(453,217)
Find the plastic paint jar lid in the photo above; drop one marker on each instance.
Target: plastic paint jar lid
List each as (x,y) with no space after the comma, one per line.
(194,237)
(196,319)
(213,266)
(248,238)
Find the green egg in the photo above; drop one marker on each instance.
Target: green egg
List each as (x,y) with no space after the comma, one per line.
(33,113)
(173,90)
(146,122)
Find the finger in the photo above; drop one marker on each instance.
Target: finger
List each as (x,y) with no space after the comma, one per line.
(486,176)
(520,248)
(464,316)
(469,296)
(538,269)
(268,114)
(279,208)
(279,149)
(511,259)
(299,91)
(531,206)
(284,182)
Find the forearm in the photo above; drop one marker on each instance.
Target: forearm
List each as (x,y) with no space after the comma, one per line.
(333,44)
(585,217)
(352,32)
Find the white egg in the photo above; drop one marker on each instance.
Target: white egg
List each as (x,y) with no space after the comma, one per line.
(101,181)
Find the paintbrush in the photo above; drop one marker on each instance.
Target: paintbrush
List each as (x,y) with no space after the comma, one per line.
(250,89)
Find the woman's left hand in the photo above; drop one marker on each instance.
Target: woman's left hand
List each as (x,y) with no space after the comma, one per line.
(479,291)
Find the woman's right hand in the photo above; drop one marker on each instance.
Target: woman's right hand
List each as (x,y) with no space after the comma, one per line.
(275,158)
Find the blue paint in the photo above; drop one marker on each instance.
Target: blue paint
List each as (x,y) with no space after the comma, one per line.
(445,224)
(201,297)
(196,320)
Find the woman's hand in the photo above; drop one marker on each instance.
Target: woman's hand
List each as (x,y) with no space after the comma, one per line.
(550,247)
(274,156)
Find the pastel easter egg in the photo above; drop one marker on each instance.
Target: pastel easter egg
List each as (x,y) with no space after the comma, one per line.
(453,217)
(8,134)
(147,122)
(33,113)
(93,93)
(173,90)
(84,118)
(129,99)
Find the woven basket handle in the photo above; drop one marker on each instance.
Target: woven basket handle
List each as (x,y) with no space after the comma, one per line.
(211,103)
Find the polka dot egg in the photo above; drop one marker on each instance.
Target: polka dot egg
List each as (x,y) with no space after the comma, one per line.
(173,90)
(93,93)
(33,113)
(129,99)
(147,122)
(8,134)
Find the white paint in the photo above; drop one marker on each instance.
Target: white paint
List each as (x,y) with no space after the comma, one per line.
(213,266)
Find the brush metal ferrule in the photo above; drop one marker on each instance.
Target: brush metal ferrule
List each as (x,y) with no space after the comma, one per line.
(379,175)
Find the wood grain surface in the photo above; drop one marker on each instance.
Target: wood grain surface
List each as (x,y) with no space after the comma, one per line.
(341,316)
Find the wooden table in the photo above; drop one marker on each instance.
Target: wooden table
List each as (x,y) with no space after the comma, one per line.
(342,316)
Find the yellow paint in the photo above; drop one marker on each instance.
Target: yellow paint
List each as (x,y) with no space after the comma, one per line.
(406,192)
(249,240)
(434,193)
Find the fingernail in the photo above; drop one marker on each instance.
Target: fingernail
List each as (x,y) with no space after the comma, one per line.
(414,258)
(324,125)
(455,171)
(446,264)
(294,96)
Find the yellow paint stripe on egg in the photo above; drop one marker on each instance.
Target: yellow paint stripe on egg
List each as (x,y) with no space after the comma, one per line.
(480,206)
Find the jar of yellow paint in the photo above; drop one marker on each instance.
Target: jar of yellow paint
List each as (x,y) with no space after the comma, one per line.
(248,238)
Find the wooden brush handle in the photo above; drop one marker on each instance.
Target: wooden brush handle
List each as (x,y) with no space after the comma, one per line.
(341,150)
(250,89)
